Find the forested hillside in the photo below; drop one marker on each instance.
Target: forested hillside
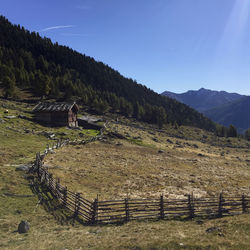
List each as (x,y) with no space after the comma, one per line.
(50,70)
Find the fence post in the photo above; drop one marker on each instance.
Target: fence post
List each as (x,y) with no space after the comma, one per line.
(190,206)
(77,204)
(38,166)
(57,187)
(46,177)
(126,209)
(244,204)
(40,159)
(220,209)
(95,211)
(36,162)
(43,176)
(162,215)
(50,182)
(65,193)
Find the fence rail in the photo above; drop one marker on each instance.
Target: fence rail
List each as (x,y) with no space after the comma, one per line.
(123,210)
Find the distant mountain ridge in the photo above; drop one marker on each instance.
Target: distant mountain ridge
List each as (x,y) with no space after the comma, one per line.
(236,113)
(220,106)
(204,99)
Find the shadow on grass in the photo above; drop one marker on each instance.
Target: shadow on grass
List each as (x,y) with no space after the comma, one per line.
(52,205)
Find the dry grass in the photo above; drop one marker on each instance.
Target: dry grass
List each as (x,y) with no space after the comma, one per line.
(117,168)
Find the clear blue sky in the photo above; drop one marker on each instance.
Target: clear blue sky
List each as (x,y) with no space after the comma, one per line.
(174,45)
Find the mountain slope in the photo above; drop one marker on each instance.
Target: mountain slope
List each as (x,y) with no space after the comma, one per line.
(236,113)
(204,99)
(51,70)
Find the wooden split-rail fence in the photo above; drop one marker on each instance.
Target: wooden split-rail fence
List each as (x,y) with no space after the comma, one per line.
(124,210)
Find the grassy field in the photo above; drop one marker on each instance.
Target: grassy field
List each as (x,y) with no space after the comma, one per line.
(117,168)
(136,168)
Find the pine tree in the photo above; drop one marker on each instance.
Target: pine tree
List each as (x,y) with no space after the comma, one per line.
(42,84)
(231,132)
(102,106)
(161,116)
(138,111)
(46,85)
(247,134)
(221,131)
(42,64)
(9,87)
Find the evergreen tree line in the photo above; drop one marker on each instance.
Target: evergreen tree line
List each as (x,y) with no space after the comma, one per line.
(223,131)
(231,131)
(29,61)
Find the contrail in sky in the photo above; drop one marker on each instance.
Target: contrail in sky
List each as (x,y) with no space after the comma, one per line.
(56,27)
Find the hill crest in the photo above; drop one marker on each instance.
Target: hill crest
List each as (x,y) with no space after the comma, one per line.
(204,99)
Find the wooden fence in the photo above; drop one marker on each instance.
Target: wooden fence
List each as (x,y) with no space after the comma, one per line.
(123,210)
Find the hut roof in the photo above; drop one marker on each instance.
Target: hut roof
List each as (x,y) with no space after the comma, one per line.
(54,107)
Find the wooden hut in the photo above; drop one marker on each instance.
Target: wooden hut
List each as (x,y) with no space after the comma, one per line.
(56,114)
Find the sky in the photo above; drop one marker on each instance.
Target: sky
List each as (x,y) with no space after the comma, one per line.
(174,45)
